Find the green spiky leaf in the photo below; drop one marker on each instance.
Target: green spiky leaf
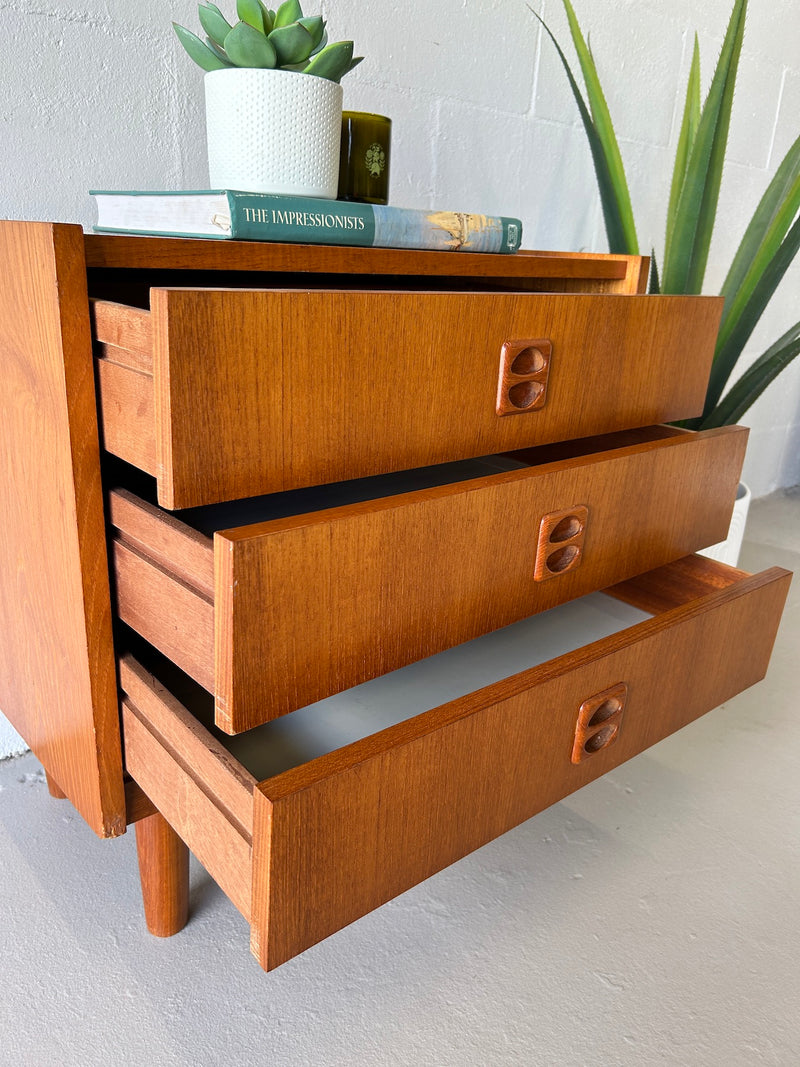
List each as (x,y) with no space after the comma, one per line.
(292,44)
(769,246)
(729,350)
(601,120)
(755,380)
(612,215)
(315,26)
(684,267)
(289,12)
(767,229)
(251,13)
(332,62)
(247,47)
(655,285)
(689,124)
(214,23)
(199,52)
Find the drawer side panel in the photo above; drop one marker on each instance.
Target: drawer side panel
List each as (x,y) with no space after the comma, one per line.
(126,409)
(169,614)
(222,850)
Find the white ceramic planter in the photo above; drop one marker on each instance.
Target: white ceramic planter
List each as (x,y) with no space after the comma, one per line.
(273,131)
(727,551)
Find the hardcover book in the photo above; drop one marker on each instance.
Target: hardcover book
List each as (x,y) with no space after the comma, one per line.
(229,214)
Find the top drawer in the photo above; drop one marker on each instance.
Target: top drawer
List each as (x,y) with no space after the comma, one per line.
(223,393)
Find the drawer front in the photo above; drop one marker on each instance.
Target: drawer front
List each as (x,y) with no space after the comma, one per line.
(310,605)
(262,391)
(335,838)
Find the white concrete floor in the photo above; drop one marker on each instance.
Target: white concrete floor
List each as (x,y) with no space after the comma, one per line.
(652,918)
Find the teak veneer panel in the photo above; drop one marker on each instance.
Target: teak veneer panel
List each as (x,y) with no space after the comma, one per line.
(126,405)
(627,273)
(216,841)
(175,616)
(313,604)
(259,391)
(230,784)
(57,675)
(124,327)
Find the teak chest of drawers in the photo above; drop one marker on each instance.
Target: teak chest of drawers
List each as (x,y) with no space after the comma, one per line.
(244,483)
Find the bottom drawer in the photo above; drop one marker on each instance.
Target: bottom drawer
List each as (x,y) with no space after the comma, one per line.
(315,819)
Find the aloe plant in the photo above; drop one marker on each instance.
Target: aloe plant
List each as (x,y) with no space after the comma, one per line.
(284,39)
(768,246)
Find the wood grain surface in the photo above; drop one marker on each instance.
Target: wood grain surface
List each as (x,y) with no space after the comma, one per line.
(54,789)
(259,391)
(164,875)
(172,544)
(229,783)
(138,805)
(175,617)
(126,409)
(159,253)
(188,808)
(340,836)
(57,676)
(124,328)
(313,604)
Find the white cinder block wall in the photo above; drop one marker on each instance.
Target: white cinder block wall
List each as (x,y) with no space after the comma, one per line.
(101,95)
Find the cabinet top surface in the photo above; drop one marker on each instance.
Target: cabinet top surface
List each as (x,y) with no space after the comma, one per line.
(115,251)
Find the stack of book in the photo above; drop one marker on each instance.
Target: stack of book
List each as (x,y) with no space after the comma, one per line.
(232,215)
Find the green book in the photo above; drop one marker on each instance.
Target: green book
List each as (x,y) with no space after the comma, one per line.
(227,214)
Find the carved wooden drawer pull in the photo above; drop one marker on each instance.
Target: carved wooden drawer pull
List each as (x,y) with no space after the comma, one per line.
(560,545)
(599,722)
(524,368)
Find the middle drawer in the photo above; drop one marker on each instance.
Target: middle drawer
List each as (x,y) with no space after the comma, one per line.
(278,613)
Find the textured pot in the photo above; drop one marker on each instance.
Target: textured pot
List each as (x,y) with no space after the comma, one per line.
(273,131)
(727,551)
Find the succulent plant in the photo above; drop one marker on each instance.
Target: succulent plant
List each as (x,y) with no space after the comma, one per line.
(282,39)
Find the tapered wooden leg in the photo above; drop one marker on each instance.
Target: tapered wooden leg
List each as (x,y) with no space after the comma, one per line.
(164,873)
(54,789)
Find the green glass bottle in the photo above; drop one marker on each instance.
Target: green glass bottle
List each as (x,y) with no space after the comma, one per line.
(364,157)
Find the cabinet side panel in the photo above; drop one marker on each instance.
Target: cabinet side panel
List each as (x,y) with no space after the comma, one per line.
(57,680)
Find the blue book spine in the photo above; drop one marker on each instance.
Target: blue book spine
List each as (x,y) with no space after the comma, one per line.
(263,217)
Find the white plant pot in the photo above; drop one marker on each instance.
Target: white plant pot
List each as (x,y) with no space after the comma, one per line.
(273,131)
(727,551)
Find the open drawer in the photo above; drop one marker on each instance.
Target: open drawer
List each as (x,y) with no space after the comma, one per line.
(305,850)
(222,394)
(273,615)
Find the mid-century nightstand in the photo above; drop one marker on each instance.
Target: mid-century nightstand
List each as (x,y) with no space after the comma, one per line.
(242,478)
